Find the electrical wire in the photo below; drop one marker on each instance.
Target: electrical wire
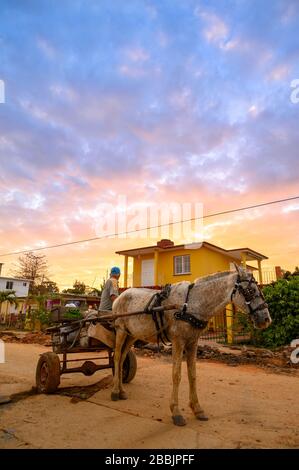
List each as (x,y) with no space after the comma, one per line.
(86,240)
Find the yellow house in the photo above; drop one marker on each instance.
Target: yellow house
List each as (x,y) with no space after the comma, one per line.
(166,262)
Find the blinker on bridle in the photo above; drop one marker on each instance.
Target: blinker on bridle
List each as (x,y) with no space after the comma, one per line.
(249,294)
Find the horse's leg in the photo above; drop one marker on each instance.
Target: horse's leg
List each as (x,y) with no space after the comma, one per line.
(177,354)
(191,351)
(119,342)
(126,348)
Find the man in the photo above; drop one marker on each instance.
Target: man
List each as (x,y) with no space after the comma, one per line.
(110,291)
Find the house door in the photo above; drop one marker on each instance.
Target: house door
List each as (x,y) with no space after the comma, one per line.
(147,272)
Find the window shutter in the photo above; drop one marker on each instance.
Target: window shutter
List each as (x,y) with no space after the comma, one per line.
(182,264)
(177,264)
(186,267)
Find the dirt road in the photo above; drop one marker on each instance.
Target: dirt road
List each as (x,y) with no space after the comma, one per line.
(247,408)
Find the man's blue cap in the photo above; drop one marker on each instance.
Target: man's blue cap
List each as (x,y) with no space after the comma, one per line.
(115,270)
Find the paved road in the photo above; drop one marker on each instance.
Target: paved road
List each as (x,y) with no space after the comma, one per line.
(247,407)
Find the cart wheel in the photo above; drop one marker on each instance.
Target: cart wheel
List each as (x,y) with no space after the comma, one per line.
(129,367)
(48,373)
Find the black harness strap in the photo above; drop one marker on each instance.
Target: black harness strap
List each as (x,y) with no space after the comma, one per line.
(156,301)
(188,317)
(163,295)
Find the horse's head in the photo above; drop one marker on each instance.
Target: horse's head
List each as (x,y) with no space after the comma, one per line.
(248,297)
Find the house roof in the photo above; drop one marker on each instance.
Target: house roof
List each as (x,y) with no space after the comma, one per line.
(7,278)
(235,253)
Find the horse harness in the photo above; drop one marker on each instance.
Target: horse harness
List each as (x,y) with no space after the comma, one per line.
(249,294)
(158,317)
(188,317)
(183,315)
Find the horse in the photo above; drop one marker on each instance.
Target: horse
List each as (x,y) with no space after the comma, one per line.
(199,302)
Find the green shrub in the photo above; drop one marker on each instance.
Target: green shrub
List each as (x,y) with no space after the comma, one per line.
(282,298)
(43,316)
(72,313)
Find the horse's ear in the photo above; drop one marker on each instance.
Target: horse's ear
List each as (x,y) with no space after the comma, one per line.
(238,269)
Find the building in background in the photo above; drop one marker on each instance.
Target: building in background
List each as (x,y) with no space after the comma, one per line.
(165,262)
(20,287)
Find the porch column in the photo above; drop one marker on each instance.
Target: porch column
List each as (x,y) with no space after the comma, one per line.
(243,259)
(156,259)
(259,263)
(126,271)
(229,323)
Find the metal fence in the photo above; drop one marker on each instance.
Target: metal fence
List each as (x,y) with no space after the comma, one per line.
(219,329)
(216,329)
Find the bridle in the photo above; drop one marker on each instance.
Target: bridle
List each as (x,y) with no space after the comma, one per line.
(249,294)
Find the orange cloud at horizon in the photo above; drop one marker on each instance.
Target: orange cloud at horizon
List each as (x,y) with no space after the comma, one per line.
(271,230)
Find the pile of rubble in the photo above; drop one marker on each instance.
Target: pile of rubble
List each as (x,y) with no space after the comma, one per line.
(233,355)
(24,337)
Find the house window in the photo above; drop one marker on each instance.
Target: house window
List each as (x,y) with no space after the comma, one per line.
(9,285)
(24,284)
(182,264)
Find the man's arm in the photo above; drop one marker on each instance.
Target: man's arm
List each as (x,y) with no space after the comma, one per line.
(113,290)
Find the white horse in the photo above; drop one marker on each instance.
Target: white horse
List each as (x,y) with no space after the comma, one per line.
(207,296)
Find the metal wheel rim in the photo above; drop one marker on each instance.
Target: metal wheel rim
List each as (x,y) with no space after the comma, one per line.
(44,373)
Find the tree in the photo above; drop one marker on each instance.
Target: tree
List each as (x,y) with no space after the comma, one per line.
(94,292)
(8,296)
(102,285)
(79,287)
(289,275)
(32,267)
(47,287)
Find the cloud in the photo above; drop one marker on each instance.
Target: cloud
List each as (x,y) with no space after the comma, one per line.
(156,103)
(279,72)
(137,54)
(215,29)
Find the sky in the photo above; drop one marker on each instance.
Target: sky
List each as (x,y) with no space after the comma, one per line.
(169,101)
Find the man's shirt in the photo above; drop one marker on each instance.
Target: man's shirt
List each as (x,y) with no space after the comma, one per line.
(111,288)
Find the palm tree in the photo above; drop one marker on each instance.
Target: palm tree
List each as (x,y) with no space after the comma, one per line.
(10,297)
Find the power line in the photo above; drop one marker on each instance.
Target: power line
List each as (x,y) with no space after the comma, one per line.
(86,240)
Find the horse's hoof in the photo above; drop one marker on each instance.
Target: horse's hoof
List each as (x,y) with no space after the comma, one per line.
(201,416)
(179,420)
(115,396)
(123,395)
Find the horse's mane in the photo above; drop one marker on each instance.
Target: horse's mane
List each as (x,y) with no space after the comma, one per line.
(212,277)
